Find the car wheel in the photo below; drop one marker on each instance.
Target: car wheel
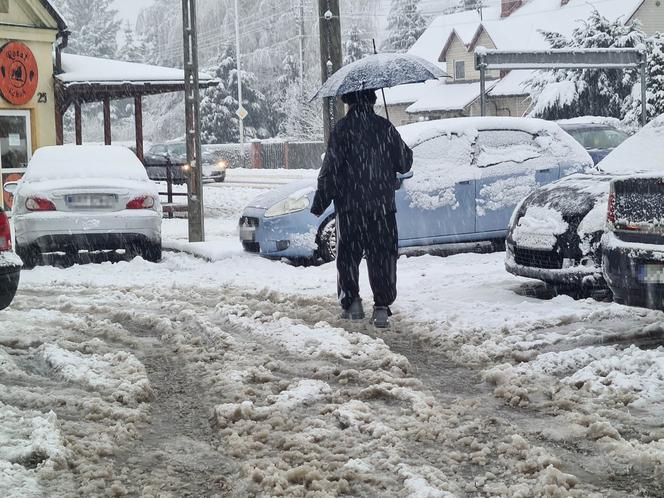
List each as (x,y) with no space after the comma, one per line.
(30,255)
(8,286)
(150,252)
(327,240)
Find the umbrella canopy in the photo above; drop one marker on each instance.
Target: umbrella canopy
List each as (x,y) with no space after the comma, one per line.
(379,71)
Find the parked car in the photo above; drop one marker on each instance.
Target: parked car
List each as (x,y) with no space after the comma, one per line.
(633,247)
(10,263)
(174,156)
(467,176)
(556,232)
(598,138)
(90,197)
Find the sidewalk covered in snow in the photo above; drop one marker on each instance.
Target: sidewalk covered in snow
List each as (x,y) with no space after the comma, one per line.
(82,79)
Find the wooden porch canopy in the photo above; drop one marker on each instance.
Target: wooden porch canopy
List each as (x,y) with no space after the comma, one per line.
(83,79)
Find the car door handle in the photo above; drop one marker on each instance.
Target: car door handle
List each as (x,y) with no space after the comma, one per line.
(467,182)
(545,170)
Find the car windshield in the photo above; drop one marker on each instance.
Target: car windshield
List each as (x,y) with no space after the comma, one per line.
(599,138)
(177,149)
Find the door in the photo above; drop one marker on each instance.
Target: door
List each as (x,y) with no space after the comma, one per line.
(439,200)
(15,148)
(511,164)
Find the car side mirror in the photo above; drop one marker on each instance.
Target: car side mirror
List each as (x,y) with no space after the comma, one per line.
(10,187)
(401,177)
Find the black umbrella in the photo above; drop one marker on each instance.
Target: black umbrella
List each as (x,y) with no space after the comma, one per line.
(377,71)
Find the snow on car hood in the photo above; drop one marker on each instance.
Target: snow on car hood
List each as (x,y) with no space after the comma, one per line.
(641,153)
(572,195)
(538,228)
(295,189)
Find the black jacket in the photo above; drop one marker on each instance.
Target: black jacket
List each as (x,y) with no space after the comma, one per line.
(364,155)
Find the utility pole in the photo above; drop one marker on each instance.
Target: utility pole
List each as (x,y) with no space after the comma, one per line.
(301,50)
(241,111)
(193,123)
(329,23)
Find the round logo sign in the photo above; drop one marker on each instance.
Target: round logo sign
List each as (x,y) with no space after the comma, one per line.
(18,73)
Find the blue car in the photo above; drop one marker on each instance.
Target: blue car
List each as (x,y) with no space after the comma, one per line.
(468,175)
(597,138)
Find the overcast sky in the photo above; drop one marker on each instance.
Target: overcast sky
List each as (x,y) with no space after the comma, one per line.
(129,9)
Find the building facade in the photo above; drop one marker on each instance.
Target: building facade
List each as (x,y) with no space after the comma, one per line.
(29,30)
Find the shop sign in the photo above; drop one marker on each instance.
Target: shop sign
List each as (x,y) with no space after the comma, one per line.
(18,73)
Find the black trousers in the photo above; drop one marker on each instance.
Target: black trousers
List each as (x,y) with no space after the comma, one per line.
(375,236)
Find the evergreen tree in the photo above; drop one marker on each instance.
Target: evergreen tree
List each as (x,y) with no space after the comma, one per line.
(654,85)
(94,28)
(405,24)
(568,93)
(356,46)
(134,47)
(219,123)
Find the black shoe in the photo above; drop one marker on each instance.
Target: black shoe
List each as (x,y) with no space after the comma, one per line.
(381,317)
(355,311)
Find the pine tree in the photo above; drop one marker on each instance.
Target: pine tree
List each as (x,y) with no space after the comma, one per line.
(654,85)
(356,46)
(134,47)
(405,24)
(568,93)
(219,123)
(94,28)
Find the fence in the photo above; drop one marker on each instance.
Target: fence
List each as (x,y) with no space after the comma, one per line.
(270,154)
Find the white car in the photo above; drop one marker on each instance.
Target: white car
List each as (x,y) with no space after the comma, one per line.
(89,197)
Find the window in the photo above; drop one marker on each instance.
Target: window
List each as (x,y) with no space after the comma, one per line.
(15,141)
(503,146)
(4,6)
(604,138)
(459,70)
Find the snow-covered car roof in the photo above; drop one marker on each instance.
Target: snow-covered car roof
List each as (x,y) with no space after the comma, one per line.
(641,153)
(416,133)
(69,162)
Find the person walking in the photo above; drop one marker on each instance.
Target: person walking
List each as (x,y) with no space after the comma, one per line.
(359,174)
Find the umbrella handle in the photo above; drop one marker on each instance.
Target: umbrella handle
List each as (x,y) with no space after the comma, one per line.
(382,90)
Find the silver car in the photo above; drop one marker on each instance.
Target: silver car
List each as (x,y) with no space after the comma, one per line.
(88,197)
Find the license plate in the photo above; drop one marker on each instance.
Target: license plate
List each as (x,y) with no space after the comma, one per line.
(91,201)
(651,274)
(248,234)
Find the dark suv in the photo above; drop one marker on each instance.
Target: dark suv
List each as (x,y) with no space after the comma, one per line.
(10,264)
(633,247)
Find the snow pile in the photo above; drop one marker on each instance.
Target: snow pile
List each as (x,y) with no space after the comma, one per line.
(8,258)
(321,340)
(30,443)
(641,153)
(118,373)
(538,228)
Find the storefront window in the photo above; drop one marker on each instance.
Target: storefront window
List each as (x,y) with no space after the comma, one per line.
(15,147)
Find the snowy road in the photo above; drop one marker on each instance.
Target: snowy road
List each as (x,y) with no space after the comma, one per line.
(236,378)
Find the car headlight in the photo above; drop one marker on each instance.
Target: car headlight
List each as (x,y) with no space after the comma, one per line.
(221,165)
(287,206)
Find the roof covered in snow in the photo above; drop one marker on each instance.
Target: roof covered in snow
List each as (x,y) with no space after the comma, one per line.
(79,69)
(443,97)
(520,30)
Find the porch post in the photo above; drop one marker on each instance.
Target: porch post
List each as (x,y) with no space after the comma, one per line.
(107,121)
(77,123)
(59,124)
(138,121)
